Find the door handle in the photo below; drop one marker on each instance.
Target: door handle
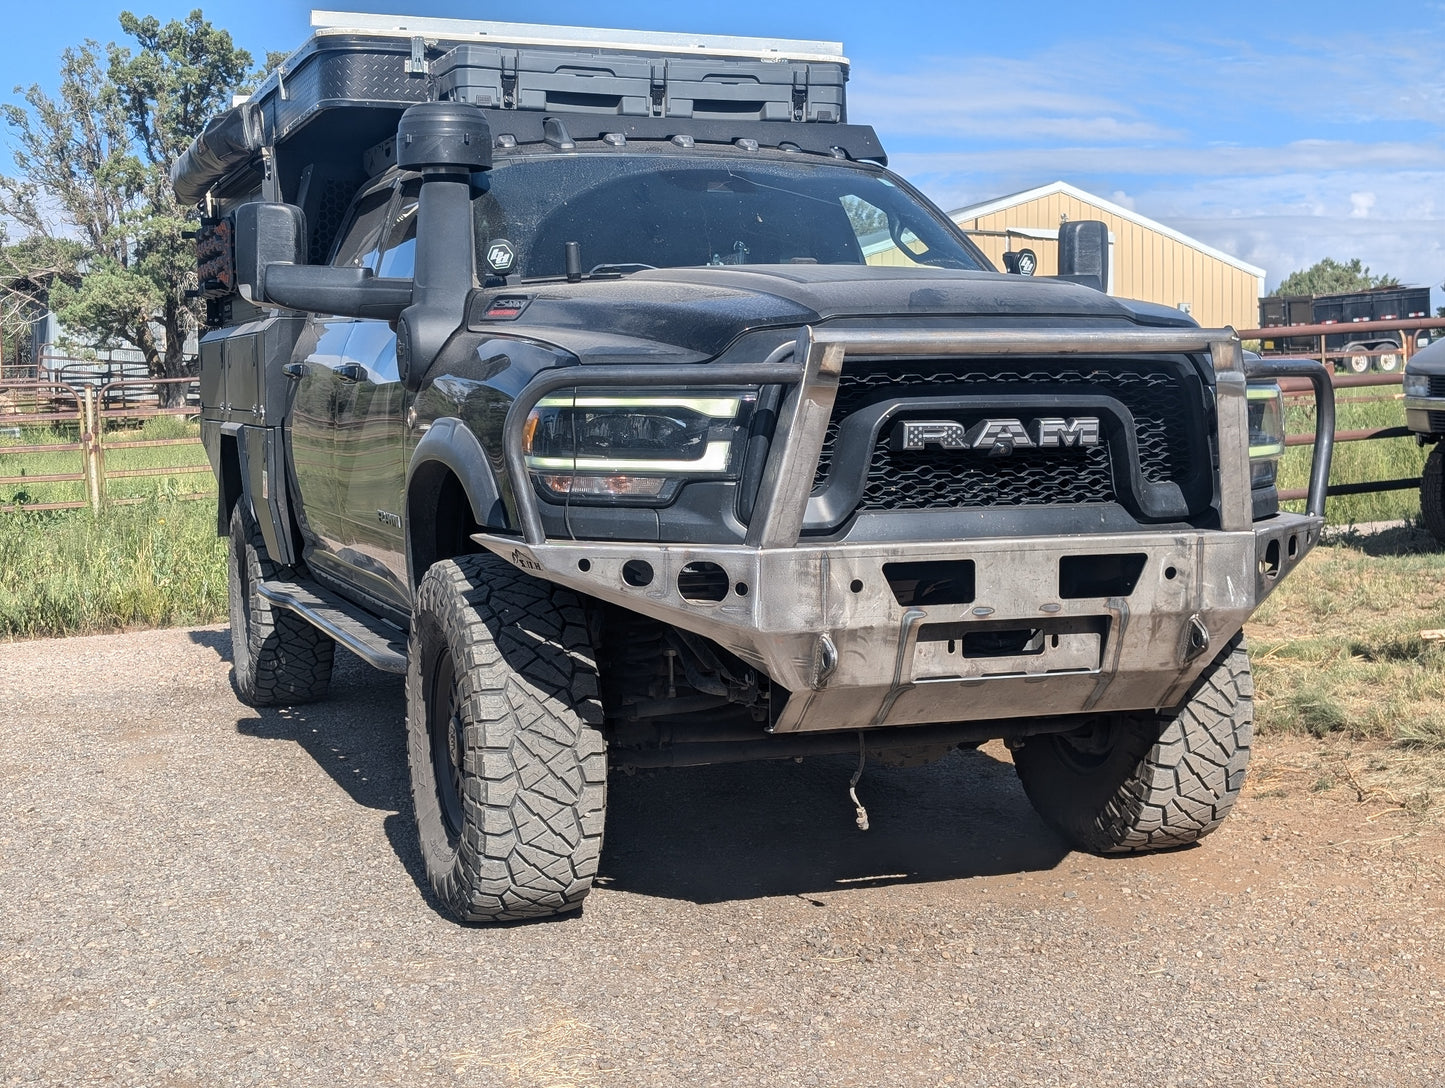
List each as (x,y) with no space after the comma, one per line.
(351,372)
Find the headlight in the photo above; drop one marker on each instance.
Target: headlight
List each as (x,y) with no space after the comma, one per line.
(608,446)
(1266,433)
(1417,385)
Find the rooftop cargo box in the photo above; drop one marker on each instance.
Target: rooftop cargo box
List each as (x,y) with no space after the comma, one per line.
(361,71)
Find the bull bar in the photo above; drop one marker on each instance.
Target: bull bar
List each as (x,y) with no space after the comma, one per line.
(821,620)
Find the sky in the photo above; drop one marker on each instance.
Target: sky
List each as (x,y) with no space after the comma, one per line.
(1279,132)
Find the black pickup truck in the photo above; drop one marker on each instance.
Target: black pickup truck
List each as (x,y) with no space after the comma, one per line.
(611,389)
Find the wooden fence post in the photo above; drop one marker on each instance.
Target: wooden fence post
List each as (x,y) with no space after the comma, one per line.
(90,448)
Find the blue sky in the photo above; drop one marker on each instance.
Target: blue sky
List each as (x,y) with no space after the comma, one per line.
(1279,132)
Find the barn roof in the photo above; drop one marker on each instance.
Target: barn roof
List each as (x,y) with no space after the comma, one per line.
(976,211)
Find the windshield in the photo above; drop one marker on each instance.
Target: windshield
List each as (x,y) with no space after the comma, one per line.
(628,210)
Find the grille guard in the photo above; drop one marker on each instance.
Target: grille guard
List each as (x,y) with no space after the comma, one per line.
(819,620)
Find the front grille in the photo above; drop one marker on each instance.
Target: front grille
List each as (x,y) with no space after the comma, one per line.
(1437,385)
(1436,421)
(912,480)
(1162,395)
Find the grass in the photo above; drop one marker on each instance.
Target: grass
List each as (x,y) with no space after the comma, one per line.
(1358,462)
(156,564)
(121,454)
(1340,654)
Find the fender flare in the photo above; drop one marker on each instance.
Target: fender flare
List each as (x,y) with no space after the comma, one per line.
(450,443)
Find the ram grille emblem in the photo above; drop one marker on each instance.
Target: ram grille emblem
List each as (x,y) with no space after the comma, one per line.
(997,437)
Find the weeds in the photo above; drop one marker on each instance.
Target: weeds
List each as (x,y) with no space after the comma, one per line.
(67,572)
(1338,650)
(1359,462)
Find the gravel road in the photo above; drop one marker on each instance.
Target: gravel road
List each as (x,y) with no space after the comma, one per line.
(196,893)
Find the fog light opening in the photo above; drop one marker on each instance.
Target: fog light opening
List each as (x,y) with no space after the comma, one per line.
(637,573)
(703,583)
(1269,565)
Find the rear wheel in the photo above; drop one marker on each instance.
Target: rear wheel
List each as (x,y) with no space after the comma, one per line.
(1136,782)
(508,767)
(1432,493)
(1358,363)
(277,658)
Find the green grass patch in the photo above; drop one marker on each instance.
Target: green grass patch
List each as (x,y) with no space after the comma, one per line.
(155,564)
(1358,462)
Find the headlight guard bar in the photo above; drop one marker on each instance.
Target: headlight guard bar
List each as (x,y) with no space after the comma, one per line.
(811,368)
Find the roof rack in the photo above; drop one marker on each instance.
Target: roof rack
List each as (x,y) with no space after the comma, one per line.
(409,26)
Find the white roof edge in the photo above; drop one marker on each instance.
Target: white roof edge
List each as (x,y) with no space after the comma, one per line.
(975,211)
(405,26)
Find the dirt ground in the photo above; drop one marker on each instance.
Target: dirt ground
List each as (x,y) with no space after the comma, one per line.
(196,893)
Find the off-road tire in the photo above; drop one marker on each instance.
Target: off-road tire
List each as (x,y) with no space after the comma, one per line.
(1138,782)
(277,658)
(508,764)
(1432,493)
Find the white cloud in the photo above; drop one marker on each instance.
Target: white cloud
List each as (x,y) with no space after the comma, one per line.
(1360,205)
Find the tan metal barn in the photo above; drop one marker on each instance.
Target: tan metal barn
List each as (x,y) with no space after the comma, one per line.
(1147,260)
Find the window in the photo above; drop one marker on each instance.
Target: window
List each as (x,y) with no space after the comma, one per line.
(360,240)
(398,255)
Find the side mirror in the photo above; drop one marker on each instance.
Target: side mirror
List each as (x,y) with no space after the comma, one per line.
(346,292)
(271,269)
(266,234)
(1084,253)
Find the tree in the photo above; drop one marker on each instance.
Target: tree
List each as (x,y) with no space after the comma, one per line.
(1329,277)
(94,169)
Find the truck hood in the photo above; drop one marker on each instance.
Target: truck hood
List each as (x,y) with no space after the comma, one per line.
(697,312)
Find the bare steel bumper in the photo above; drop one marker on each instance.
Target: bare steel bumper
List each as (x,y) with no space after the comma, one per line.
(822,621)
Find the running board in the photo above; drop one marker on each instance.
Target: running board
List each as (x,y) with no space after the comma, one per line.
(373,640)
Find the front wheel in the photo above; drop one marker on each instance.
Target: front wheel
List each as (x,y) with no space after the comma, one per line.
(1137,782)
(508,766)
(1432,493)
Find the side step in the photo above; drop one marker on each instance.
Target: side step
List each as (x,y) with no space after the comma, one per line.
(373,640)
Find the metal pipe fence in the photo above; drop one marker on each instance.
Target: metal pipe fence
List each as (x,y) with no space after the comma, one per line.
(98,414)
(1298,389)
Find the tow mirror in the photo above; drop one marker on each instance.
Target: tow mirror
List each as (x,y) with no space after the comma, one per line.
(1084,253)
(266,233)
(271,269)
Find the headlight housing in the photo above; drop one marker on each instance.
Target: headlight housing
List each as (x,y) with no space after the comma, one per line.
(606,446)
(1417,385)
(1266,433)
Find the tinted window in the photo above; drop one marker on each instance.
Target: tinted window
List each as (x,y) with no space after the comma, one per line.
(398,254)
(693,208)
(361,240)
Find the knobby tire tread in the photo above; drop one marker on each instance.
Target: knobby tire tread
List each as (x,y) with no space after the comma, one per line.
(278,659)
(1171,778)
(534,767)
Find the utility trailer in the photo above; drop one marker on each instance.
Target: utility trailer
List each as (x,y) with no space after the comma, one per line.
(1356,350)
(559,371)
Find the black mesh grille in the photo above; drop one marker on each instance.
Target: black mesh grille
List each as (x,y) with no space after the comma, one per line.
(1437,422)
(912,480)
(1155,392)
(1437,385)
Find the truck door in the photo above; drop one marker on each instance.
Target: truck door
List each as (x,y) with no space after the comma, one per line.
(326,377)
(369,448)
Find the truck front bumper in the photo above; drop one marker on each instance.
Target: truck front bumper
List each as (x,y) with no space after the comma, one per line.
(825,623)
(836,625)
